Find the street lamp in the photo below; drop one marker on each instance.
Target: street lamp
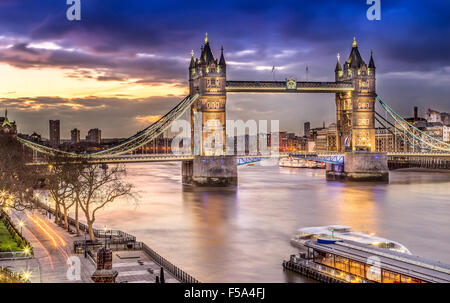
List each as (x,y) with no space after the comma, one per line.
(26,276)
(105,229)
(21,224)
(85,244)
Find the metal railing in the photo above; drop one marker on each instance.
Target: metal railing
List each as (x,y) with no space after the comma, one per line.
(119,240)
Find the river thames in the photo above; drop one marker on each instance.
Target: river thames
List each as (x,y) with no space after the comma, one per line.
(242,235)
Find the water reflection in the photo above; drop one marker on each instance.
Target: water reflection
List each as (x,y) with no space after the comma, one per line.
(243,235)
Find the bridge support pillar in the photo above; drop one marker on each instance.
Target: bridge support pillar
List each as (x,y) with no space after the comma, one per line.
(210,171)
(361,167)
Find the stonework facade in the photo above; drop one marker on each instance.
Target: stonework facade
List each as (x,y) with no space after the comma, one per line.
(355,111)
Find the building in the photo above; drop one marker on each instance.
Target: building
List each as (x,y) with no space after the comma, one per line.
(7,127)
(94,136)
(435,130)
(384,140)
(331,137)
(307,128)
(54,132)
(446,133)
(435,116)
(75,136)
(355,110)
(321,140)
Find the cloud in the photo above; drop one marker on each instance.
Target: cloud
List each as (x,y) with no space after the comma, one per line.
(146,120)
(127,45)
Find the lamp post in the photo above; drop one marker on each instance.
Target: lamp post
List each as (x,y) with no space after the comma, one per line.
(105,229)
(85,244)
(21,224)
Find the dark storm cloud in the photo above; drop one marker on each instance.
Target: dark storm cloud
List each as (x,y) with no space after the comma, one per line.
(410,43)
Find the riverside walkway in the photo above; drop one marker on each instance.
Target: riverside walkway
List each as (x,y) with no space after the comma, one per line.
(52,246)
(59,258)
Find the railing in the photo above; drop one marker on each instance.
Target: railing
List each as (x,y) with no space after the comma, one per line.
(120,240)
(83,227)
(171,268)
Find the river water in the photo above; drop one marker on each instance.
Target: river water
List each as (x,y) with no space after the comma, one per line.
(242,235)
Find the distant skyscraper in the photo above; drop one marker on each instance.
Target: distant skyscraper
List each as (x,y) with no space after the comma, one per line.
(75,136)
(94,136)
(307,128)
(54,132)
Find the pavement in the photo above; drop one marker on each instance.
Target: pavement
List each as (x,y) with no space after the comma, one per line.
(54,261)
(137,267)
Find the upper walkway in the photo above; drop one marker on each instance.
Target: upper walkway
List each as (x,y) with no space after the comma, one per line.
(289,86)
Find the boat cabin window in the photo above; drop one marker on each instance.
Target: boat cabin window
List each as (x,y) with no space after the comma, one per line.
(390,277)
(357,268)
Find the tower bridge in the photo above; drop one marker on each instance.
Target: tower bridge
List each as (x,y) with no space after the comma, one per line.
(355,98)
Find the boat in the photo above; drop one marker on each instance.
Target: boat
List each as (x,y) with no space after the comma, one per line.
(347,261)
(344,232)
(300,163)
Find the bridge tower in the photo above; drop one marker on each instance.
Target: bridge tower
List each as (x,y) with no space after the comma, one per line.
(210,167)
(355,121)
(356,110)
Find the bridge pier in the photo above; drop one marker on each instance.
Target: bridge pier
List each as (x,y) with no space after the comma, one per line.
(215,171)
(361,167)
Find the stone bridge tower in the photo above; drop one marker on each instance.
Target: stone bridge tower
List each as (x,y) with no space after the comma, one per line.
(356,110)
(210,167)
(207,76)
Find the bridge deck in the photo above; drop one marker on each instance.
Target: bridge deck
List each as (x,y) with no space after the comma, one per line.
(285,87)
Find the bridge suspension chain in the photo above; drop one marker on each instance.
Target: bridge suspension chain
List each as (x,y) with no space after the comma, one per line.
(412,132)
(134,142)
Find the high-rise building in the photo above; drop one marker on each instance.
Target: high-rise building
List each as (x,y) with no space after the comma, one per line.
(94,136)
(54,132)
(75,136)
(307,127)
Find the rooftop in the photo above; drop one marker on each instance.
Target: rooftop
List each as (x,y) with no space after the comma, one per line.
(414,266)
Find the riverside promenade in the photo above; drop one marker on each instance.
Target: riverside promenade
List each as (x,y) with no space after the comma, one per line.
(61,256)
(52,246)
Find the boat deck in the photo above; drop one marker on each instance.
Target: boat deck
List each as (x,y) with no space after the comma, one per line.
(411,265)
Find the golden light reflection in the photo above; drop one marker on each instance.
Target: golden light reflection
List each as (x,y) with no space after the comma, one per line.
(356,207)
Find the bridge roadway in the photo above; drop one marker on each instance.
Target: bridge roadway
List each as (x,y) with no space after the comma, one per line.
(330,157)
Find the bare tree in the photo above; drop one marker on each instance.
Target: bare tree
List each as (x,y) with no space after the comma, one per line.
(98,186)
(61,177)
(17,178)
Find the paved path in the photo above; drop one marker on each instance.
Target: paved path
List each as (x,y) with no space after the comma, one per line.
(52,248)
(137,267)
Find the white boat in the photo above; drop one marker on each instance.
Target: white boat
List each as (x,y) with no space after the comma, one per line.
(343,232)
(299,163)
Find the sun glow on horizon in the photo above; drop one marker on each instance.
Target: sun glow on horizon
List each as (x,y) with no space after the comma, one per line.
(29,83)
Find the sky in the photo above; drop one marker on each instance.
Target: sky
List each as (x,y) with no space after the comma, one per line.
(125,63)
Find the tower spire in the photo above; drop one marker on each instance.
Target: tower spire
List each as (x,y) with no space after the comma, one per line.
(206,38)
(338,64)
(371,62)
(354,42)
(222,58)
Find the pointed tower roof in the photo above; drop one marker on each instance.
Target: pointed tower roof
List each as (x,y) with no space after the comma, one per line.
(192,64)
(355,60)
(207,55)
(371,63)
(222,58)
(6,121)
(338,64)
